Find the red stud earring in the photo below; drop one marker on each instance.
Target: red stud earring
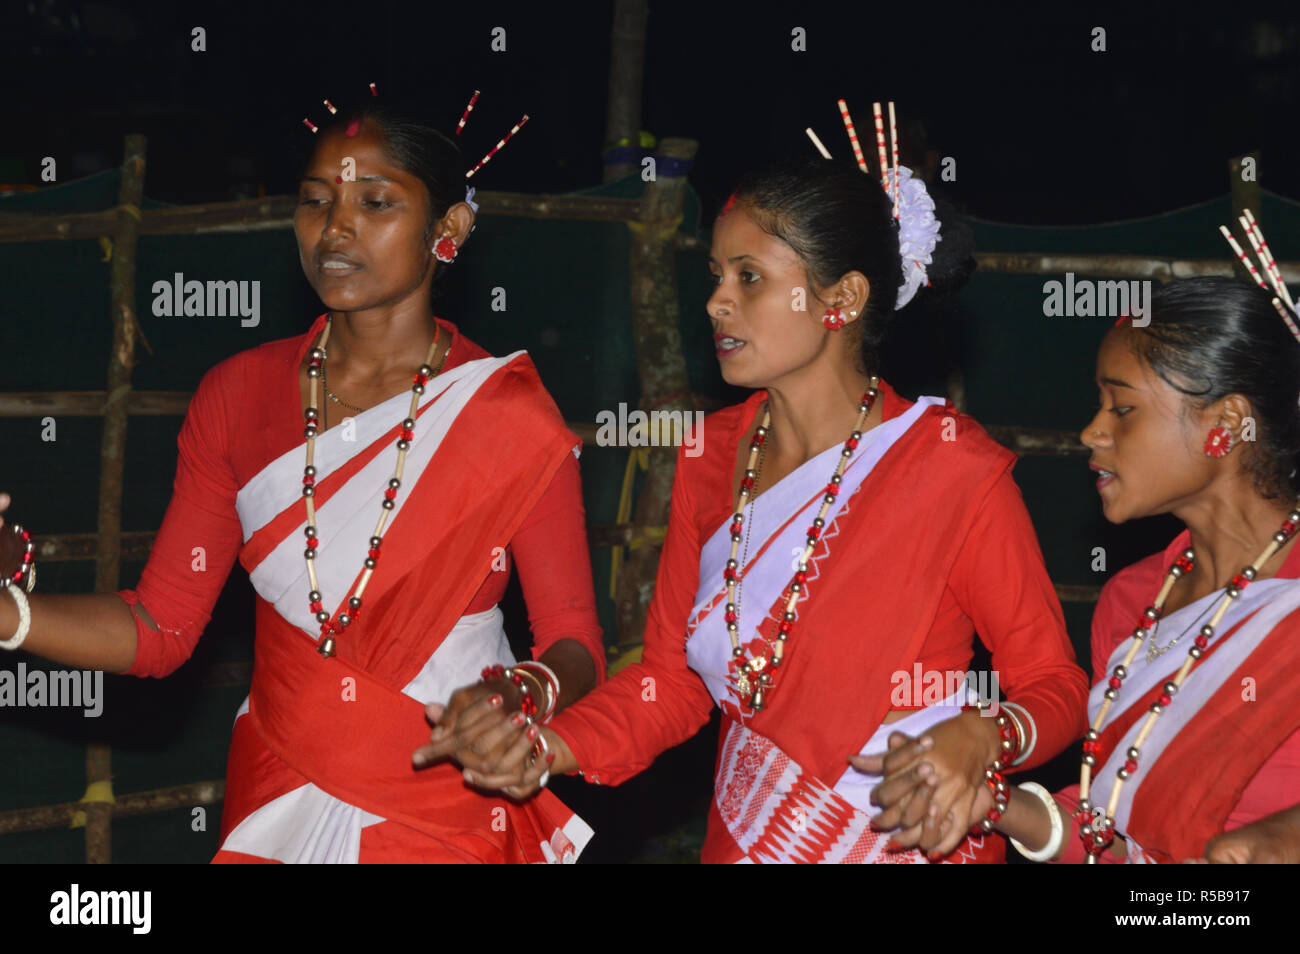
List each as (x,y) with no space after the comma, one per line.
(834,319)
(1219,442)
(445,250)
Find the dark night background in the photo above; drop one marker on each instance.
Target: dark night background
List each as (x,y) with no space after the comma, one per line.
(1044,130)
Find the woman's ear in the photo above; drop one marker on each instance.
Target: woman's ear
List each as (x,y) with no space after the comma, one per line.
(455,225)
(851,294)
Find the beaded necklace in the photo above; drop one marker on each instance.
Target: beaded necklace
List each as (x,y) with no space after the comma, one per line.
(1097,836)
(754,675)
(330,627)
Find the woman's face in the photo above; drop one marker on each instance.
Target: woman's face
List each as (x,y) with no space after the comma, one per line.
(759,333)
(1147,442)
(362,241)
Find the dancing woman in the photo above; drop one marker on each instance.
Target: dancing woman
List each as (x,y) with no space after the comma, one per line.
(1198,419)
(833,540)
(378,519)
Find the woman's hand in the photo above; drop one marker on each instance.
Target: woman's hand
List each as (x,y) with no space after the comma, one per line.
(12,546)
(934,788)
(478,730)
(1273,840)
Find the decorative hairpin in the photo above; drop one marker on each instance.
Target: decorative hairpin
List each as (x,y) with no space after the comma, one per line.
(501,142)
(468,109)
(913,209)
(1255,235)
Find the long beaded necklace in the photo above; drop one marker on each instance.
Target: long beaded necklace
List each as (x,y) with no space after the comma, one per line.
(754,674)
(330,627)
(1098,836)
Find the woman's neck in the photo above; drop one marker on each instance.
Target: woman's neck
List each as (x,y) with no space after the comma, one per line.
(1230,526)
(370,344)
(817,411)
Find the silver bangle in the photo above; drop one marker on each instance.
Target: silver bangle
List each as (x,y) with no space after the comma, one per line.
(552,687)
(1025,747)
(1048,851)
(24,617)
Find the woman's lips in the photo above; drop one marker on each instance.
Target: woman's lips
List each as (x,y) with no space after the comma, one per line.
(726,345)
(1104,477)
(335,265)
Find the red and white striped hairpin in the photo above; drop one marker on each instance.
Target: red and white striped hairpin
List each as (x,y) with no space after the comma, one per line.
(1267,265)
(888,170)
(501,142)
(925,234)
(468,109)
(334,112)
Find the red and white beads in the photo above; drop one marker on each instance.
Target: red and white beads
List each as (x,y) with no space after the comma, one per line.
(754,676)
(332,626)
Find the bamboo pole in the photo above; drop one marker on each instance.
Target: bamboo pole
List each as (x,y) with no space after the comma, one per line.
(626,76)
(138,803)
(91,403)
(661,369)
(276,212)
(108,558)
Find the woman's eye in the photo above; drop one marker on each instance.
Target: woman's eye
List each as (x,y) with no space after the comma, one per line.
(308,200)
(1121,411)
(748,277)
(714,279)
(378,203)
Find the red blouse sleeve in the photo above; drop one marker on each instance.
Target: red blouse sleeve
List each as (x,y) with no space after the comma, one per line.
(618,730)
(199,539)
(1001,583)
(551,553)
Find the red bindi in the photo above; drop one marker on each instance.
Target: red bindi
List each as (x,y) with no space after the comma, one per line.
(353,128)
(338,179)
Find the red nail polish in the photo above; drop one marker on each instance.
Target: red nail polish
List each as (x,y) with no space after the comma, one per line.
(517,719)
(495,701)
(532,732)
(550,757)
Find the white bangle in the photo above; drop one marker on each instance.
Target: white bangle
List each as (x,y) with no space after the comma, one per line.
(1053,845)
(1025,747)
(24,617)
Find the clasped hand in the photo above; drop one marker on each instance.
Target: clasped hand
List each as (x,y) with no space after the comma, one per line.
(933,788)
(481,729)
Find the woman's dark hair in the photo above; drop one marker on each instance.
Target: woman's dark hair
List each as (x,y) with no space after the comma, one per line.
(1211,337)
(415,146)
(838,219)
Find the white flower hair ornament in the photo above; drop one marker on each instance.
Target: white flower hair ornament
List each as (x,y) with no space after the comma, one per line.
(918,229)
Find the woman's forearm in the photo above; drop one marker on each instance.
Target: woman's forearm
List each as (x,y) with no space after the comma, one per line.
(1026,820)
(83,630)
(573,666)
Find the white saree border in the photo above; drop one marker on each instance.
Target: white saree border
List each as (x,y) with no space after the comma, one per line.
(778,813)
(1270,601)
(345,522)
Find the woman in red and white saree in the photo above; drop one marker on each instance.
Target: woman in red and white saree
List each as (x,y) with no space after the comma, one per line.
(424,516)
(1199,418)
(320,767)
(924,541)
